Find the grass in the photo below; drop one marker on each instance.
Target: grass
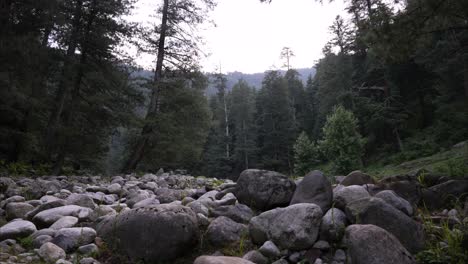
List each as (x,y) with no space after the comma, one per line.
(453,163)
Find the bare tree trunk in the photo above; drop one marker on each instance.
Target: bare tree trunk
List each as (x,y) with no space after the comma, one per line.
(226,120)
(63,88)
(153,110)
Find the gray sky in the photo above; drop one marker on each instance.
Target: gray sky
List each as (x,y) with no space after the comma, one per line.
(249,36)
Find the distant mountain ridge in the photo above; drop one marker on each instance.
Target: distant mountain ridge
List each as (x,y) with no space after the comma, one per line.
(255,79)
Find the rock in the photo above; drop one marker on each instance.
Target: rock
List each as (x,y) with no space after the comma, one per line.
(394,200)
(340,256)
(223,232)
(377,212)
(357,178)
(344,195)
(45,231)
(269,249)
(220,260)
(165,195)
(114,188)
(199,208)
(281,261)
(82,200)
(408,188)
(64,222)
(17,210)
(147,203)
(322,245)
(48,217)
(62,261)
(89,261)
(440,195)
(314,188)
(41,240)
(12,199)
(17,229)
(239,212)
(133,232)
(87,250)
(70,239)
(45,206)
(294,227)
(370,244)
(263,189)
(333,225)
(137,196)
(256,257)
(228,199)
(51,253)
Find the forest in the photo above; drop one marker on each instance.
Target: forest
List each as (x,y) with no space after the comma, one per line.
(391,86)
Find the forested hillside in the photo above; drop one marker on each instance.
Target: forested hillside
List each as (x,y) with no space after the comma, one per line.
(392,86)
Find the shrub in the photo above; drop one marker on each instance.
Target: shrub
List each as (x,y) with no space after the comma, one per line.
(306,155)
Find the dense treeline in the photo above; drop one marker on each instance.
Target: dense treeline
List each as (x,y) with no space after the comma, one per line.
(392,86)
(401,71)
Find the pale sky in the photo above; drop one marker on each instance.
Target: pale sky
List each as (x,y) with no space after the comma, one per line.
(249,35)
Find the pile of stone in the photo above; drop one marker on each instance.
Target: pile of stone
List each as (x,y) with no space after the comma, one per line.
(163,218)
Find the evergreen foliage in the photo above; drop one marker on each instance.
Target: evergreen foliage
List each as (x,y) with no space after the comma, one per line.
(306,155)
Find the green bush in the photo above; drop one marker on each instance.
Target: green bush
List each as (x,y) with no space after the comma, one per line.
(342,144)
(306,155)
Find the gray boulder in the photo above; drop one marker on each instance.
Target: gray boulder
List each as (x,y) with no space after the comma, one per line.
(133,232)
(256,257)
(269,249)
(370,244)
(65,222)
(51,252)
(45,206)
(357,178)
(295,227)
(263,189)
(17,229)
(17,210)
(70,239)
(48,217)
(377,212)
(333,225)
(41,240)
(396,201)
(147,203)
(223,232)
(82,200)
(438,196)
(314,188)
(239,212)
(220,260)
(344,195)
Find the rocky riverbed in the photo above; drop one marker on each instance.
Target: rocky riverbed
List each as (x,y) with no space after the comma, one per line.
(263,217)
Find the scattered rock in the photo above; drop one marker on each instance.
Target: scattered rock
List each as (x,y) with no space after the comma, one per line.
(314,188)
(377,212)
(344,195)
(17,210)
(263,189)
(370,244)
(256,257)
(239,212)
(48,217)
(333,225)
(133,232)
(17,229)
(270,250)
(394,200)
(51,252)
(220,260)
(294,227)
(357,178)
(223,232)
(70,239)
(64,222)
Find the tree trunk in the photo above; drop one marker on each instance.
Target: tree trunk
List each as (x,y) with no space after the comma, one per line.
(153,109)
(226,120)
(63,88)
(63,140)
(246,157)
(465,76)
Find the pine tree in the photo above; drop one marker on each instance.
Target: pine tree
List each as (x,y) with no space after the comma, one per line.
(342,143)
(306,155)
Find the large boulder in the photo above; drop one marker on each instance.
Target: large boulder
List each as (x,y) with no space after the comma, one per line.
(17,229)
(295,227)
(17,210)
(50,252)
(396,201)
(239,212)
(263,189)
(156,234)
(438,196)
(314,188)
(224,232)
(344,195)
(377,212)
(333,225)
(48,217)
(357,178)
(370,244)
(45,206)
(405,186)
(70,239)
(81,200)
(220,260)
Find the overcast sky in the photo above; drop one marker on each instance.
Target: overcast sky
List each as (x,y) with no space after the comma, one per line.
(249,35)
